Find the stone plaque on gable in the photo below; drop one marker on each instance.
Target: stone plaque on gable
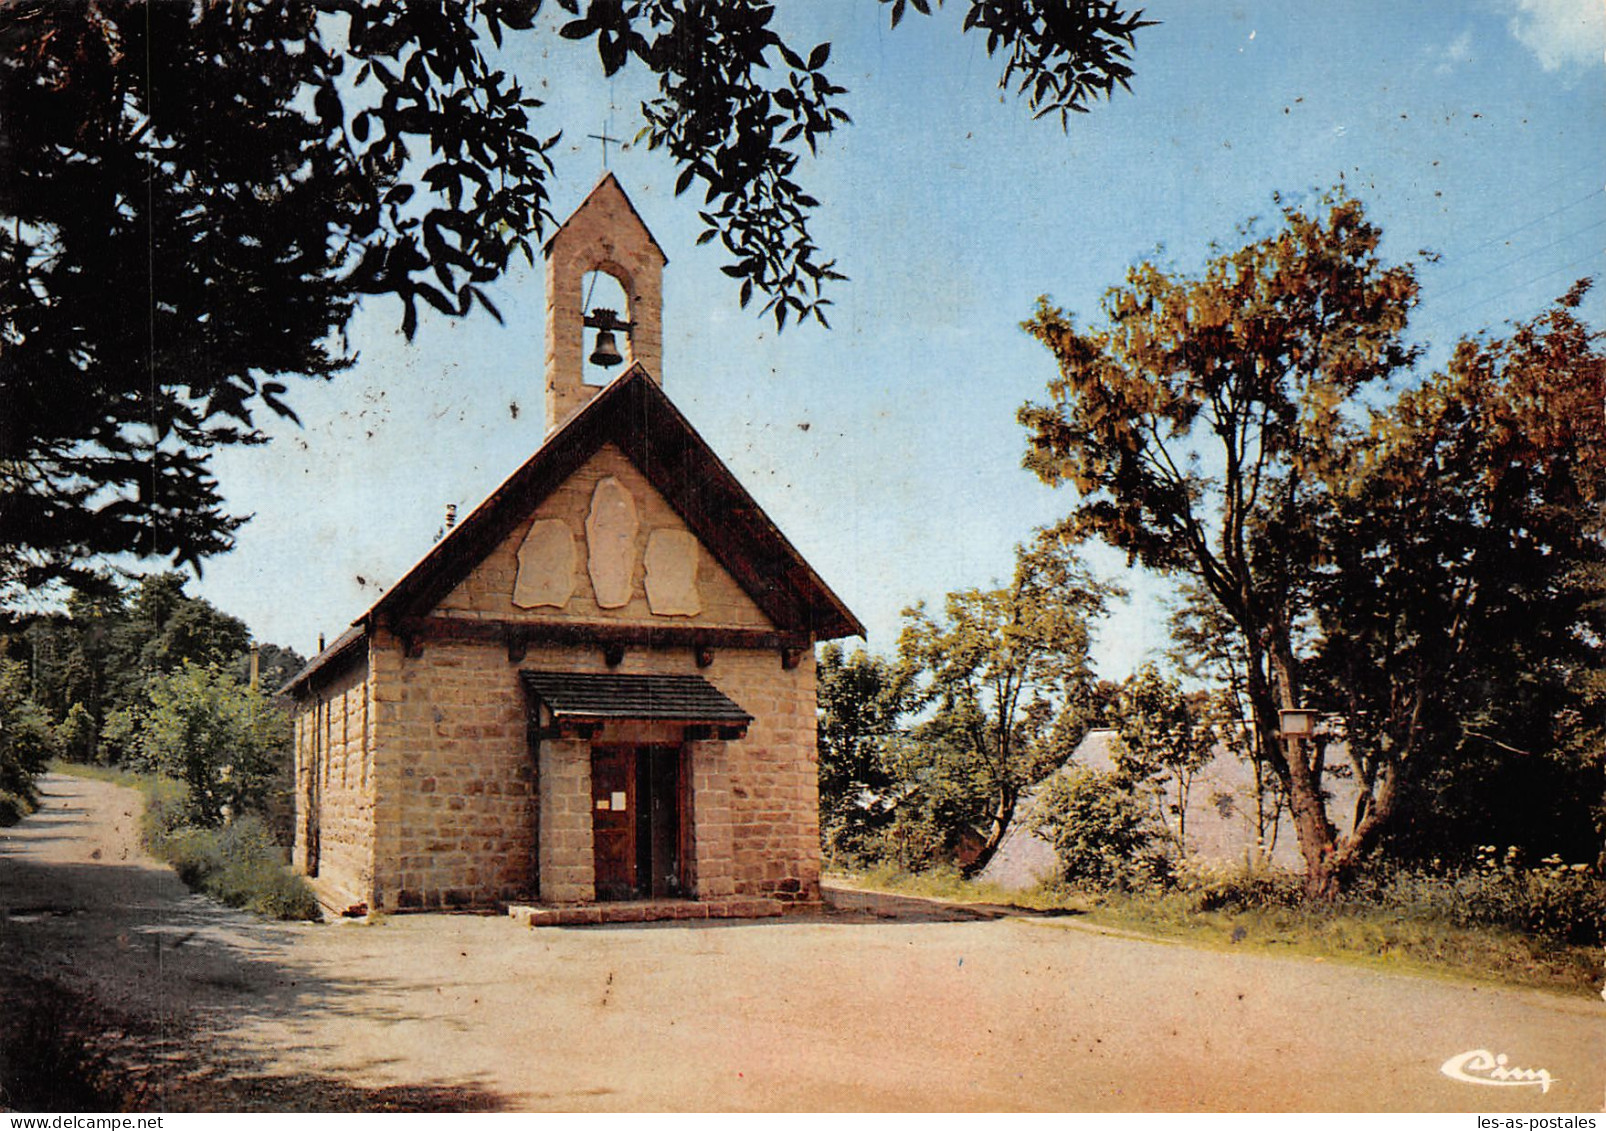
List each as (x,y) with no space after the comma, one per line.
(546,565)
(611,543)
(672,573)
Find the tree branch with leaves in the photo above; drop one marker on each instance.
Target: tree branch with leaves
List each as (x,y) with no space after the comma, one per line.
(1201,425)
(195,196)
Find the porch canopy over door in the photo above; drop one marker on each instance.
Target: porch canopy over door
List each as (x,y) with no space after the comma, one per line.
(578,701)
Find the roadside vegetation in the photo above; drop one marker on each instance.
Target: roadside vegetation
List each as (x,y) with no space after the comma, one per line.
(1540,927)
(239,864)
(153,688)
(26,743)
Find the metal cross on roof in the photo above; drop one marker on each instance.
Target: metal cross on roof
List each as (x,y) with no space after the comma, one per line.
(606,141)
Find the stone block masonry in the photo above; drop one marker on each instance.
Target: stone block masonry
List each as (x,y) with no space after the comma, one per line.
(565,858)
(455,781)
(711,869)
(471,812)
(334,826)
(604,234)
(487,592)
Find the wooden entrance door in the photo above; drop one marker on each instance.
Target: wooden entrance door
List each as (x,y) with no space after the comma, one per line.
(613,820)
(635,821)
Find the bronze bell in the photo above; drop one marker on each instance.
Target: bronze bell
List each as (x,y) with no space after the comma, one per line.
(605,322)
(607,352)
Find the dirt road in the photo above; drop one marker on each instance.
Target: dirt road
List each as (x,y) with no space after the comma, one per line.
(895,1005)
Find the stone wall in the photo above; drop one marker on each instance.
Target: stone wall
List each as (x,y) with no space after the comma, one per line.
(566,864)
(455,782)
(458,793)
(333,795)
(711,871)
(773,775)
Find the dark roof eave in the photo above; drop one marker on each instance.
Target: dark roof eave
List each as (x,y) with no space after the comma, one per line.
(344,646)
(648,717)
(602,697)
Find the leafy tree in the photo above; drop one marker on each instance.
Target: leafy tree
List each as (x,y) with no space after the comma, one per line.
(161,193)
(1167,736)
(92,668)
(1006,679)
(107,645)
(938,801)
(1461,618)
(228,744)
(172,628)
(861,700)
(76,734)
(73,654)
(27,742)
(194,197)
(1200,428)
(1215,429)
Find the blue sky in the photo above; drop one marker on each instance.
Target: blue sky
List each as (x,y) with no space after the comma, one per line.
(887,448)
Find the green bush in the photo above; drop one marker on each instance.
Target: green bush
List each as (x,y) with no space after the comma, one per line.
(1566,902)
(27,743)
(13,808)
(229,743)
(1209,886)
(166,807)
(238,864)
(194,855)
(252,874)
(75,734)
(915,841)
(1105,834)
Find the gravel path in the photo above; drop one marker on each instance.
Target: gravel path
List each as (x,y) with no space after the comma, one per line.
(152,997)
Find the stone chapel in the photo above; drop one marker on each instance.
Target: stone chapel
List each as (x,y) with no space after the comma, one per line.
(594,698)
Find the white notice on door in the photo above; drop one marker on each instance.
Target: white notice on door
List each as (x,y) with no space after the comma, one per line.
(618,801)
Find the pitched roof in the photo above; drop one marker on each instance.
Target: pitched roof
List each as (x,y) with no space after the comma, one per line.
(594,696)
(605,181)
(633,414)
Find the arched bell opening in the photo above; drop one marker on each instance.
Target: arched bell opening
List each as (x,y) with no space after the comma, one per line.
(605,347)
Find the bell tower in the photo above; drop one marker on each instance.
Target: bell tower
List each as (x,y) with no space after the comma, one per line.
(604,234)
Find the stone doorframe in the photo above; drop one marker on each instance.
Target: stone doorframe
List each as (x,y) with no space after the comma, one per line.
(565,864)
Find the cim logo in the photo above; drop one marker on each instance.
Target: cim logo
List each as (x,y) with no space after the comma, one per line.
(1480,1066)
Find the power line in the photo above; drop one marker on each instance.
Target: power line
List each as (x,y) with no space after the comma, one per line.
(1591,194)
(1569,237)
(1519,286)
